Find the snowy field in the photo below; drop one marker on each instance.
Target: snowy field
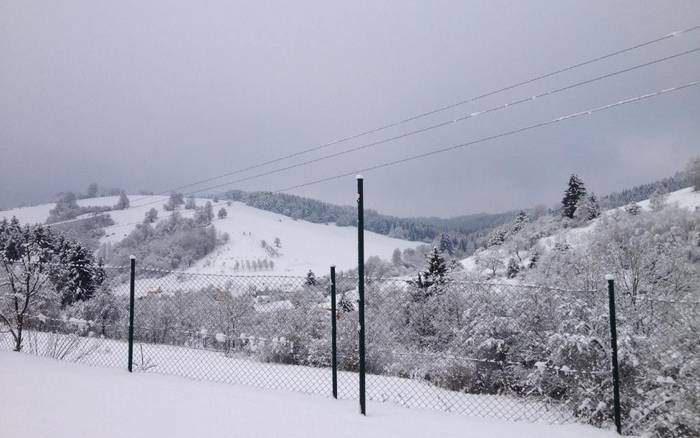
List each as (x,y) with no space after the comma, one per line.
(304,245)
(201,364)
(46,398)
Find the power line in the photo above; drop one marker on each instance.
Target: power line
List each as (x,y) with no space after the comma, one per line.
(496,136)
(439,109)
(451,148)
(436,126)
(445,123)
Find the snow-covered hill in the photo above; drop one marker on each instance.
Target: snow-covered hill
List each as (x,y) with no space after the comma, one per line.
(303,245)
(685,198)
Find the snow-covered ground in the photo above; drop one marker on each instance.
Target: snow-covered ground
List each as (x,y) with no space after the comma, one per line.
(304,245)
(46,398)
(203,364)
(685,198)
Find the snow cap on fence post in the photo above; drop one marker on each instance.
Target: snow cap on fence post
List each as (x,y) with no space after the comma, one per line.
(609,277)
(132,257)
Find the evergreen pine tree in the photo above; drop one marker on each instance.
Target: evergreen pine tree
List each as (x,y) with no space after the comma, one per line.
(520,220)
(436,270)
(574,193)
(445,244)
(222,213)
(311,278)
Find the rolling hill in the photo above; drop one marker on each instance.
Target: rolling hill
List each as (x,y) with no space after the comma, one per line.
(303,245)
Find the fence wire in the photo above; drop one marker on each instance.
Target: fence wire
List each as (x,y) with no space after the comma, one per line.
(659,364)
(517,352)
(481,349)
(272,332)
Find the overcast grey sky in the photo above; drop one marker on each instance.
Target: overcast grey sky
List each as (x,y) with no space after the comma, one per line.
(151,95)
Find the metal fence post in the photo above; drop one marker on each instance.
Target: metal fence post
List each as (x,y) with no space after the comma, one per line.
(613,345)
(334,346)
(361,287)
(132,284)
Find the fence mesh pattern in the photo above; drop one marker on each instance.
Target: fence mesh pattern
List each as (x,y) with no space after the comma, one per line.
(659,364)
(272,332)
(477,349)
(518,352)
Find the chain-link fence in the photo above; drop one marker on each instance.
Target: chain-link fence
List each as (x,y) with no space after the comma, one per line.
(94,332)
(512,351)
(659,365)
(272,332)
(491,350)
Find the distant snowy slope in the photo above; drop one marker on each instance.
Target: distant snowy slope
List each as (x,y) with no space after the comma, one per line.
(304,245)
(574,237)
(38,214)
(684,198)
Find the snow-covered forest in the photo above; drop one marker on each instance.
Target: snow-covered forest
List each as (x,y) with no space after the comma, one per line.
(523,319)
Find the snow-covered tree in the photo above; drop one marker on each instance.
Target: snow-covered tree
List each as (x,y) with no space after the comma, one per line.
(436,270)
(40,271)
(174,201)
(123,202)
(633,209)
(445,245)
(311,278)
(190,203)
(74,275)
(657,201)
(209,209)
(204,215)
(693,170)
(534,258)
(104,309)
(222,213)
(489,260)
(396,257)
(587,208)
(151,216)
(497,236)
(512,268)
(278,242)
(575,191)
(92,190)
(66,208)
(520,221)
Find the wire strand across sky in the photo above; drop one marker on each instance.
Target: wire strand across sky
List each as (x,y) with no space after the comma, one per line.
(590,111)
(496,136)
(439,109)
(472,115)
